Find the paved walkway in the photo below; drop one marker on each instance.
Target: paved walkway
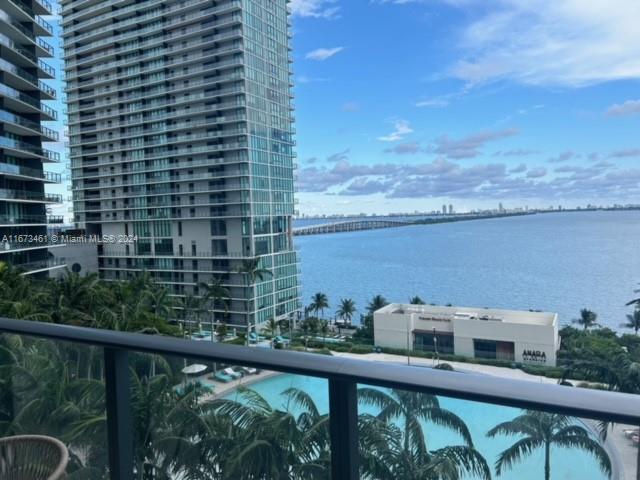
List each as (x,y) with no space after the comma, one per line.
(621,450)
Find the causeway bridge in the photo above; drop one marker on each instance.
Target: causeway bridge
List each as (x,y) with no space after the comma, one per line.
(349,226)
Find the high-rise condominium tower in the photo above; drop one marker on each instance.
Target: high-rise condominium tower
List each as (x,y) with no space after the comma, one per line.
(23,201)
(180,125)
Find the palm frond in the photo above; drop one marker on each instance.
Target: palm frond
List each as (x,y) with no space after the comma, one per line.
(458,462)
(515,453)
(589,445)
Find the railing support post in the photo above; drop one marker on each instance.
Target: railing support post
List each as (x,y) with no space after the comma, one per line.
(118,398)
(343,427)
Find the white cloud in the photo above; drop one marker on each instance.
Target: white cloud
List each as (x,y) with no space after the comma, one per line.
(322,54)
(306,79)
(560,42)
(314,8)
(569,43)
(402,128)
(630,107)
(433,103)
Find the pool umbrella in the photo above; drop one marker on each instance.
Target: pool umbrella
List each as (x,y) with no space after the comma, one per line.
(194,369)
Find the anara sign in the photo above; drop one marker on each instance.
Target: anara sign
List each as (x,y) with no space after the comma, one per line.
(534,356)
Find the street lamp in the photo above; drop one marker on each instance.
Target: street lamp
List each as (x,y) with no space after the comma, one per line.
(408,342)
(435,346)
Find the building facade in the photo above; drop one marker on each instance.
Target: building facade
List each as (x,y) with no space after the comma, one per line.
(509,335)
(181,140)
(23,201)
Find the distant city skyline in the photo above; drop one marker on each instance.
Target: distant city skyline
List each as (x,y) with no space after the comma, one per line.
(465,102)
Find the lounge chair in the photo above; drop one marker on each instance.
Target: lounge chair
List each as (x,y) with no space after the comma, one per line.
(250,370)
(232,373)
(631,432)
(222,377)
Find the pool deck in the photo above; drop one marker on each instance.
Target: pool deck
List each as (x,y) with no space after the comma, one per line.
(223,389)
(621,450)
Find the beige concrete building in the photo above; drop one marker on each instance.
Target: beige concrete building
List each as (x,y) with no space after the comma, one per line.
(519,336)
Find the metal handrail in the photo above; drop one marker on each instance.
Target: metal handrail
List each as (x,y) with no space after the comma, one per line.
(585,403)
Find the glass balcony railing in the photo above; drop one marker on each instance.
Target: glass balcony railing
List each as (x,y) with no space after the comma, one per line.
(152,130)
(166,152)
(152,52)
(27,147)
(155,65)
(173,20)
(18,26)
(46,5)
(7,42)
(29,11)
(150,407)
(17,120)
(140,80)
(22,220)
(32,79)
(29,172)
(186,165)
(43,265)
(28,99)
(153,143)
(153,104)
(11,194)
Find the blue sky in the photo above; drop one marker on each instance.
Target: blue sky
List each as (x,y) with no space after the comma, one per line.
(405,105)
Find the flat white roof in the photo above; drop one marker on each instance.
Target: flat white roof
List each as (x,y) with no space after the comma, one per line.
(471,313)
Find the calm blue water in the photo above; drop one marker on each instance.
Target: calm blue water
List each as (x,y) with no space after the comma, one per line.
(480,418)
(558,262)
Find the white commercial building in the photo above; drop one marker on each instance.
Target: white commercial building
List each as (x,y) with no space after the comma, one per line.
(519,336)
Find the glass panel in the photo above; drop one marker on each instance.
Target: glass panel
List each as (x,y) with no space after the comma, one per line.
(55,389)
(412,435)
(197,419)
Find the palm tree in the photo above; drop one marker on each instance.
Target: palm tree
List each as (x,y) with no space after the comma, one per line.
(399,439)
(620,373)
(192,309)
(545,430)
(263,442)
(633,321)
(253,273)
(75,297)
(218,295)
(635,301)
(376,304)
(347,309)
(411,408)
(587,320)
(324,330)
(319,302)
(416,301)
(271,327)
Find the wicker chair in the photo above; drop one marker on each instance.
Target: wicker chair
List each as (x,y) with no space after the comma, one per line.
(32,457)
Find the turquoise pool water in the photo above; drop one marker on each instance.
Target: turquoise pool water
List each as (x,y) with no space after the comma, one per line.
(565,464)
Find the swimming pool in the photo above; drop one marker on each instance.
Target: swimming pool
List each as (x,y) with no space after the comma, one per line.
(566,464)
